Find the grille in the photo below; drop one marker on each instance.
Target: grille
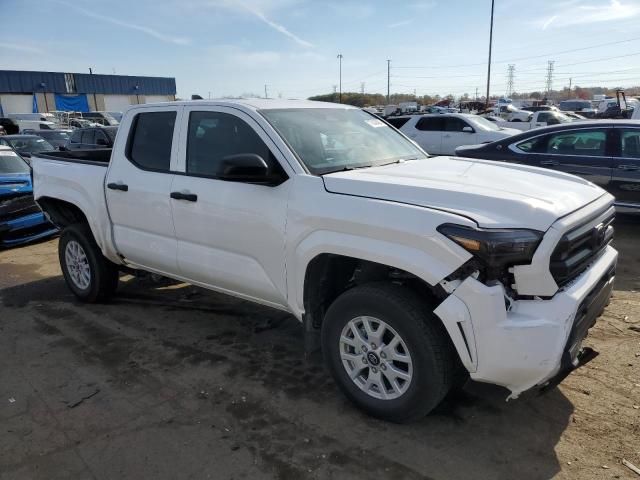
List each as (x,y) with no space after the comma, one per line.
(17,206)
(578,247)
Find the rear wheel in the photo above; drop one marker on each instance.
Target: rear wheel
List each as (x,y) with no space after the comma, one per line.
(88,274)
(387,351)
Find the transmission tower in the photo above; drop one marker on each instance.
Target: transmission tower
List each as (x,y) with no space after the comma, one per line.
(362,88)
(511,70)
(549,77)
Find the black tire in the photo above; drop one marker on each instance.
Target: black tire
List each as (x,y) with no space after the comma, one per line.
(103,274)
(434,361)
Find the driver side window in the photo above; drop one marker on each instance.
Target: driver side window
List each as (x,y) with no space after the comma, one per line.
(214,136)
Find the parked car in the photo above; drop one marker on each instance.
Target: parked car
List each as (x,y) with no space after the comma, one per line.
(511,113)
(26,145)
(441,134)
(90,138)
(606,153)
(574,116)
(410,271)
(36,125)
(57,138)
(10,126)
(21,220)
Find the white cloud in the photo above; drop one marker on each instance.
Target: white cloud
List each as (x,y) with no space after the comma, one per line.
(21,48)
(276,26)
(401,23)
(131,26)
(573,13)
(549,22)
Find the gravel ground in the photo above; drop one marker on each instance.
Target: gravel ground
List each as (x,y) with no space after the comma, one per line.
(171,381)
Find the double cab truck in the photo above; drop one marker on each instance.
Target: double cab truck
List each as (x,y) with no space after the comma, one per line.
(412,272)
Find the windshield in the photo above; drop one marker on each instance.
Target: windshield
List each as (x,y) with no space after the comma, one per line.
(10,162)
(30,145)
(331,139)
(485,124)
(562,117)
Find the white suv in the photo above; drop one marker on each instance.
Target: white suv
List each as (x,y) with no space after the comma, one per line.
(441,134)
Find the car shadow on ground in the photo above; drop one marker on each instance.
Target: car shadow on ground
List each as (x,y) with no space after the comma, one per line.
(160,337)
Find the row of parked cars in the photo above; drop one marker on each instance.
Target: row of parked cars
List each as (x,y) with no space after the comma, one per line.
(605,152)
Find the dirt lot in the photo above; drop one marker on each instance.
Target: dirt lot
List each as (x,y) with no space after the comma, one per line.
(170,381)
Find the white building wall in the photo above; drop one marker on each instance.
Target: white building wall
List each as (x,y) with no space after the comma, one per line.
(158,98)
(16,103)
(116,103)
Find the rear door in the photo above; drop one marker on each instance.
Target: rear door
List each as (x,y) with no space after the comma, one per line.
(584,152)
(427,132)
(88,139)
(138,186)
(454,136)
(625,178)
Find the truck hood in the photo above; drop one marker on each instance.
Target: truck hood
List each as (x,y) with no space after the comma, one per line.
(493,194)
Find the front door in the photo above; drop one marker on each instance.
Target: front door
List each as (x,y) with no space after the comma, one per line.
(625,178)
(455,136)
(138,185)
(231,234)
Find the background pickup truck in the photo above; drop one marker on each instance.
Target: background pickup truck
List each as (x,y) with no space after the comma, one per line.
(537,120)
(413,271)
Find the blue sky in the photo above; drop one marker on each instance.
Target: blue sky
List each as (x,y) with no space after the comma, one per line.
(225,47)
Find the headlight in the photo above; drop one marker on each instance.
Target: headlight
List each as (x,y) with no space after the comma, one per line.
(495,247)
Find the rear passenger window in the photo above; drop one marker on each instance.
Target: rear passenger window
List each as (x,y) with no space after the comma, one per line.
(430,124)
(76,137)
(213,136)
(150,140)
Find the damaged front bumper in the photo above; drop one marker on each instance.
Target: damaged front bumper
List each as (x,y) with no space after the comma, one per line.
(526,343)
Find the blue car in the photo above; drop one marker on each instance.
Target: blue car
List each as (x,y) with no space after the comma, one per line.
(21,220)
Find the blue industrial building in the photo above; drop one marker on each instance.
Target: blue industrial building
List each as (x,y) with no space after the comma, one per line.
(28,92)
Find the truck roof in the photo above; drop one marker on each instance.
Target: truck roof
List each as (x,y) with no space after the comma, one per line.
(251,103)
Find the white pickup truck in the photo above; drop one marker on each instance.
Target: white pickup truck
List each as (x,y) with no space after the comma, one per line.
(539,119)
(413,271)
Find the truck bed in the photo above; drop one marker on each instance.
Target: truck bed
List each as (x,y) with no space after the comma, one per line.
(99,156)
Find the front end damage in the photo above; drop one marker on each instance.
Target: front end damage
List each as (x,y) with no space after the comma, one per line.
(524,341)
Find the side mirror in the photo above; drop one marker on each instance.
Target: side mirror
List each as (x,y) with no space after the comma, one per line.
(245,167)
(467,129)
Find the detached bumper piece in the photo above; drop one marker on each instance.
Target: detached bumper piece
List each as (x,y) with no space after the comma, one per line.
(574,355)
(25,229)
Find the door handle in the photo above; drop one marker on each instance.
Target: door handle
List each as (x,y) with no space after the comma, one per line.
(118,186)
(189,197)
(549,163)
(629,167)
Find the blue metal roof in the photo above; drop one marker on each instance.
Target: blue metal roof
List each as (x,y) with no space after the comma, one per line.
(13,81)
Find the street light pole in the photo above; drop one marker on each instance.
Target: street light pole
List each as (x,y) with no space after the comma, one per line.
(388,79)
(486,103)
(340,61)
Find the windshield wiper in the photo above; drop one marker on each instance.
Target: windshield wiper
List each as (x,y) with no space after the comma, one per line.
(347,168)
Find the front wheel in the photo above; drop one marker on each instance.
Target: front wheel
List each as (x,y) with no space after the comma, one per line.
(88,274)
(387,351)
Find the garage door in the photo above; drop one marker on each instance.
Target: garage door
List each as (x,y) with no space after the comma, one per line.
(116,103)
(16,103)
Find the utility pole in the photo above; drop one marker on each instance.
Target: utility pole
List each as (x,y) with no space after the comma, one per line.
(340,82)
(388,80)
(570,79)
(266,94)
(549,77)
(510,74)
(486,103)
